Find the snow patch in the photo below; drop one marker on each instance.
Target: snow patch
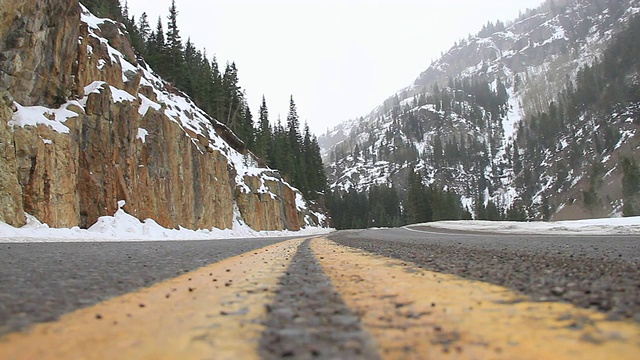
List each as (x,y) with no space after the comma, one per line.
(146,105)
(606,226)
(34,115)
(142,134)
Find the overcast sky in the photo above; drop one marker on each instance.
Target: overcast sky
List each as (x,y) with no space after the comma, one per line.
(338,58)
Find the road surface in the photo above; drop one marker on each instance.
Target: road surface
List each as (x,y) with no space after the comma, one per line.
(41,281)
(378,293)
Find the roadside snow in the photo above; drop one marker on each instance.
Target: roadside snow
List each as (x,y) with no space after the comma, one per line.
(607,226)
(124,227)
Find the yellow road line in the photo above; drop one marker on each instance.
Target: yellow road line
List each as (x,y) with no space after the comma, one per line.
(214,312)
(417,314)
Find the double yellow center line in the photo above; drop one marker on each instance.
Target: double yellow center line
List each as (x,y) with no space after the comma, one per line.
(219,312)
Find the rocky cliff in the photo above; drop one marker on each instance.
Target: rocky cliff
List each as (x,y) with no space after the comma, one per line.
(84,124)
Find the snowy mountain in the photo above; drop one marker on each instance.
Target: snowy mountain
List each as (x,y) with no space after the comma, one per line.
(503,119)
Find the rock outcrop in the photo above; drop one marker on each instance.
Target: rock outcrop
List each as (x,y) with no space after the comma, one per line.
(83,124)
(11,211)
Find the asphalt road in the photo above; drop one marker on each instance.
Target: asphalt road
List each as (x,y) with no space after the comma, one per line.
(599,272)
(41,281)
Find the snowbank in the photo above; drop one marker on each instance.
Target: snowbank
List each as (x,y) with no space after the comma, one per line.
(607,226)
(124,227)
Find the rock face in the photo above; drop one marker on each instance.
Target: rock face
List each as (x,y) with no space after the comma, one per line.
(10,190)
(84,125)
(38,46)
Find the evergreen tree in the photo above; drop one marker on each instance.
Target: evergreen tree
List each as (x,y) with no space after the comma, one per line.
(630,187)
(156,49)
(188,81)
(105,8)
(417,208)
(293,125)
(216,90)
(307,161)
(231,104)
(143,27)
(141,37)
(263,136)
(246,130)
(296,164)
(174,51)
(317,173)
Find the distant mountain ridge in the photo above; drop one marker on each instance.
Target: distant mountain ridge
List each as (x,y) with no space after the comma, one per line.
(462,122)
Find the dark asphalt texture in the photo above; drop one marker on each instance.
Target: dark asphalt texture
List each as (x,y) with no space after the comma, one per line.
(598,272)
(308,318)
(41,281)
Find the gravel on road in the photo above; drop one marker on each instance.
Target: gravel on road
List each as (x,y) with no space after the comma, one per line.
(602,273)
(41,281)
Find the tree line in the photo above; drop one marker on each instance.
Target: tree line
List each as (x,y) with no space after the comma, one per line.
(390,206)
(294,152)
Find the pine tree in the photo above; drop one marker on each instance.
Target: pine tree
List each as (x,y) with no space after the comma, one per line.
(317,174)
(230,101)
(125,10)
(246,131)
(263,136)
(630,187)
(307,161)
(416,207)
(278,154)
(144,29)
(293,125)
(174,46)
(189,72)
(156,49)
(295,158)
(215,94)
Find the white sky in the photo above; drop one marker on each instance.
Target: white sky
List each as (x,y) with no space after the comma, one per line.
(338,58)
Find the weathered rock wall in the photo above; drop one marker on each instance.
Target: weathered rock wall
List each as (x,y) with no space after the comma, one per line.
(38,47)
(172,175)
(262,211)
(11,209)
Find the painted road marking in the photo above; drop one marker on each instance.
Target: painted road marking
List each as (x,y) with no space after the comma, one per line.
(220,312)
(213,312)
(417,314)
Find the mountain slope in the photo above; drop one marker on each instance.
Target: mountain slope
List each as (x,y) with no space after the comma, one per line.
(464,119)
(95,126)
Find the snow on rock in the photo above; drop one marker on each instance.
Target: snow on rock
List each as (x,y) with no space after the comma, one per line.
(146,105)
(121,95)
(96,87)
(142,134)
(34,115)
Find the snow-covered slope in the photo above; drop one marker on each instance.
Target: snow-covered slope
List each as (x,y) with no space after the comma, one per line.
(457,123)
